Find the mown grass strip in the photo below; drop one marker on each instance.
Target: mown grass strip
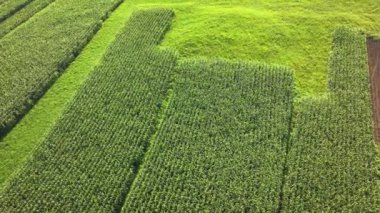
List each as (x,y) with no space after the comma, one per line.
(332,160)
(22,15)
(222,144)
(88,161)
(16,147)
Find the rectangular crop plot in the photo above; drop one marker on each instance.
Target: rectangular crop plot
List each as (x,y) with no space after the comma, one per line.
(222,143)
(332,163)
(89,159)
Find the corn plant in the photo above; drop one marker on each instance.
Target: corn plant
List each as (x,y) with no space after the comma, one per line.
(21,13)
(89,159)
(9,8)
(37,52)
(332,162)
(221,146)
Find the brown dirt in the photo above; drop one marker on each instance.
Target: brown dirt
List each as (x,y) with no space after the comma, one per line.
(373,48)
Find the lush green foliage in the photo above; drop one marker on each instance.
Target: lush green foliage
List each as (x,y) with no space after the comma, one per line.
(332,161)
(296,34)
(21,15)
(222,143)
(54,38)
(8,8)
(292,33)
(89,159)
(18,144)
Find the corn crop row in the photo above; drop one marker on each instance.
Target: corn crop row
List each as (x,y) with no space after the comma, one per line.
(222,144)
(89,159)
(332,162)
(35,53)
(21,14)
(8,8)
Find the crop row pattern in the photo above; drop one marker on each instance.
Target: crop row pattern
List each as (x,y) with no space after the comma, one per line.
(89,159)
(35,53)
(222,143)
(332,161)
(21,14)
(8,8)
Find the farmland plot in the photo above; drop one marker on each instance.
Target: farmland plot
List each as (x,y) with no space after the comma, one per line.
(332,162)
(88,161)
(18,144)
(54,38)
(21,15)
(8,8)
(222,143)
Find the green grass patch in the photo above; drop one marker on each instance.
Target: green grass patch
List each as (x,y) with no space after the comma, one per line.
(292,33)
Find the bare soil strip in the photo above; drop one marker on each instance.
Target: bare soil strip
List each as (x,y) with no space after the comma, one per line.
(373,48)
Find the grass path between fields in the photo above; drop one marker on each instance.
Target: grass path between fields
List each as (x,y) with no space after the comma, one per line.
(17,146)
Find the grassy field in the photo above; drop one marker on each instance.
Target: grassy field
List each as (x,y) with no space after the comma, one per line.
(296,34)
(292,33)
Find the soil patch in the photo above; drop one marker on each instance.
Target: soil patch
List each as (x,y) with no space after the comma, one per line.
(373,48)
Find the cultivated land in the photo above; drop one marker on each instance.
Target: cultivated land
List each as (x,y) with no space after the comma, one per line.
(120,102)
(138,127)
(29,68)
(31,130)
(332,151)
(9,8)
(222,144)
(22,14)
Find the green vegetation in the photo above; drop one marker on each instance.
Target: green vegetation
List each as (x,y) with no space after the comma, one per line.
(332,160)
(54,39)
(16,147)
(292,33)
(22,15)
(222,143)
(123,128)
(90,157)
(8,8)
(303,30)
(296,34)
